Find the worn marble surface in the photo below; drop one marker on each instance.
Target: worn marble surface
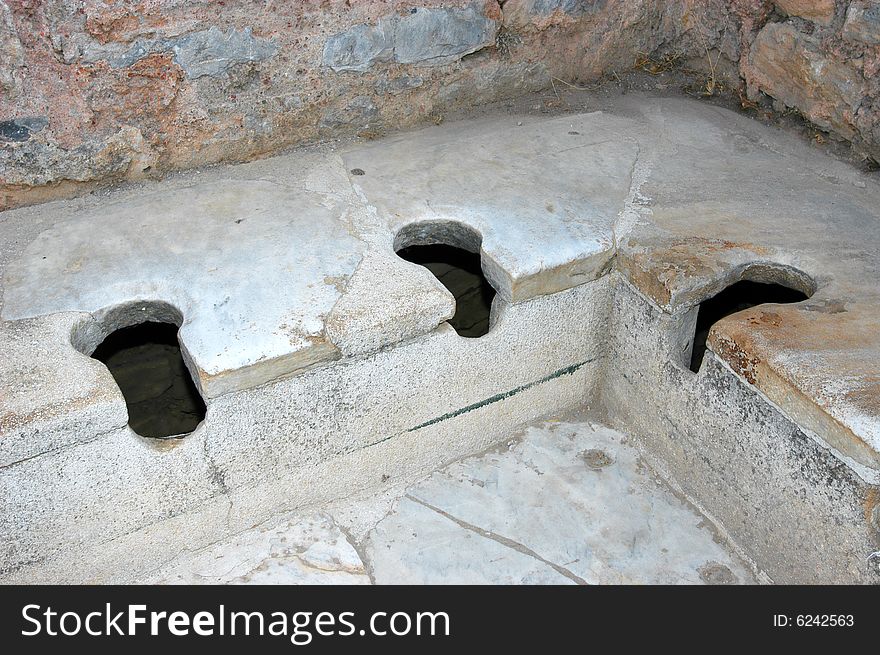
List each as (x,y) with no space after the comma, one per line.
(286,263)
(278,266)
(566,502)
(309,549)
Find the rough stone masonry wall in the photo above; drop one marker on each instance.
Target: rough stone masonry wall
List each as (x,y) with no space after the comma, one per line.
(98,91)
(817,57)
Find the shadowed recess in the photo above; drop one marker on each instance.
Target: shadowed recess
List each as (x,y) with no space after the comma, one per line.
(460,272)
(735,298)
(146,362)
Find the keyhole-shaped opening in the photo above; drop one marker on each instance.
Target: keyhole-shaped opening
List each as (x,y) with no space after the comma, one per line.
(735,298)
(147,364)
(451,251)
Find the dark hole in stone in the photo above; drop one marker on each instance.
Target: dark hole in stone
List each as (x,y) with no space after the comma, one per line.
(460,272)
(735,298)
(146,362)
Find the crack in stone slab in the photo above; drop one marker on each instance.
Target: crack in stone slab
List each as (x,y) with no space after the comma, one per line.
(358,547)
(504,541)
(63,447)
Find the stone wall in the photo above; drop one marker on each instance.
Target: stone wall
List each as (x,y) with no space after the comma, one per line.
(819,58)
(823,61)
(95,91)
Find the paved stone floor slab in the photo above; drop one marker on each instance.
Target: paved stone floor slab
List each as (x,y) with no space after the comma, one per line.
(308,550)
(568,502)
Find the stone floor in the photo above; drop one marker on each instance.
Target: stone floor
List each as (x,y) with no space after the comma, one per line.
(566,502)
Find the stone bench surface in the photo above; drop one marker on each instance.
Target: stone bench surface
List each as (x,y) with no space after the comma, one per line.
(289,262)
(280,265)
(720,194)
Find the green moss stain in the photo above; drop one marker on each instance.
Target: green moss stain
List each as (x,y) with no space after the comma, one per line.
(568,370)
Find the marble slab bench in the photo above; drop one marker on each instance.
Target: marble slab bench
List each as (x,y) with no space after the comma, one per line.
(326,361)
